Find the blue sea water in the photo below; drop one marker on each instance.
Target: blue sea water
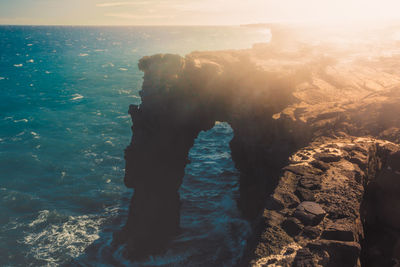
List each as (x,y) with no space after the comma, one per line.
(64,96)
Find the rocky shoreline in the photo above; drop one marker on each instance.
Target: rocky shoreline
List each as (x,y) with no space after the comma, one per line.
(325,199)
(316,141)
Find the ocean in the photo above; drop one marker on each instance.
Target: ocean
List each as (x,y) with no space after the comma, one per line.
(64,97)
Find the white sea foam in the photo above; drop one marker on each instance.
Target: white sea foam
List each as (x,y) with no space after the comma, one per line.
(2,78)
(35,135)
(21,120)
(47,72)
(89,154)
(124,92)
(109,64)
(31,61)
(29,44)
(124,117)
(109,142)
(77,97)
(68,236)
(18,65)
(83,54)
(123,69)
(278,257)
(134,96)
(42,217)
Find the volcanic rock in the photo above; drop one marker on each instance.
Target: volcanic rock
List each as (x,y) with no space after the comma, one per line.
(316,133)
(310,213)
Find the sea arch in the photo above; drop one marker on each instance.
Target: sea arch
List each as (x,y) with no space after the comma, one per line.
(182,97)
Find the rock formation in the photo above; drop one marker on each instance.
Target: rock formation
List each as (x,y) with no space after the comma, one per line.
(316,129)
(323,208)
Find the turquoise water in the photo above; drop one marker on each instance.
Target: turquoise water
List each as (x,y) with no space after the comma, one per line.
(64,96)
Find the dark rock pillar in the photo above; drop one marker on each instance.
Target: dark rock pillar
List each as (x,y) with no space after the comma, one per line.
(155,169)
(164,129)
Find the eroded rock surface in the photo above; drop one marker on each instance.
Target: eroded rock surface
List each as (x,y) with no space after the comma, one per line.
(315,132)
(328,231)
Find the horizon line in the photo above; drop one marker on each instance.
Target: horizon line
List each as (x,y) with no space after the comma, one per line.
(131,25)
(281,22)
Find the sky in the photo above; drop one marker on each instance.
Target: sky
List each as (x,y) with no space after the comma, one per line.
(193,12)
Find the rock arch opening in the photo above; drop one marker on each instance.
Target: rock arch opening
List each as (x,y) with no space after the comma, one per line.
(210,219)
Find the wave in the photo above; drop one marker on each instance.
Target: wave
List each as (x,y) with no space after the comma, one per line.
(109,64)
(35,135)
(55,237)
(21,120)
(77,97)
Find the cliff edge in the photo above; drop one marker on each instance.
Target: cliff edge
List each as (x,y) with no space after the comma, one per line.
(316,133)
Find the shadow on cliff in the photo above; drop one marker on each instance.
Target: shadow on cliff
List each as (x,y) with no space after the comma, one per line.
(182,97)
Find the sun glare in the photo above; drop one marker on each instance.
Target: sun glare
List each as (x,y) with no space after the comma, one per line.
(332,12)
(198,12)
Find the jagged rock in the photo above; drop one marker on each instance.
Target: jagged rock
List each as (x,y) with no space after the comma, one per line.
(292,226)
(279,200)
(310,213)
(303,258)
(320,165)
(289,251)
(311,182)
(304,194)
(339,194)
(326,157)
(338,231)
(302,169)
(311,232)
(344,254)
(271,261)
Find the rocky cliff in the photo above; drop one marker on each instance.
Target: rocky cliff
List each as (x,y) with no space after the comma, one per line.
(316,129)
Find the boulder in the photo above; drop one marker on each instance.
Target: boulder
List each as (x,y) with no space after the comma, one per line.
(309,213)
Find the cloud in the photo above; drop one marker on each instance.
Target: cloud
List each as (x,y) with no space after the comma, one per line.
(117,4)
(134,16)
